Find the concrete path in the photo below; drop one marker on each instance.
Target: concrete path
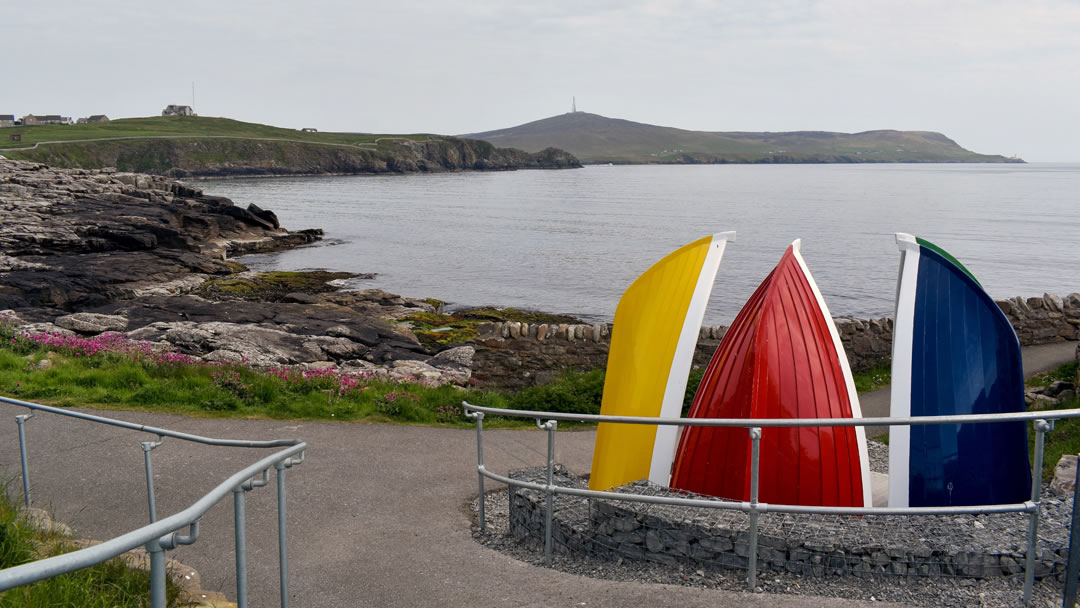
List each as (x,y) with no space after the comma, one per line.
(1037,359)
(378,514)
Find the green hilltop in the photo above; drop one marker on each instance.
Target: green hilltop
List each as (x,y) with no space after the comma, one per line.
(180,126)
(182,146)
(598,139)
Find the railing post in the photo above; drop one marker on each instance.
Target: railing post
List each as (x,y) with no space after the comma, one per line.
(1041,427)
(1073,566)
(20,419)
(479,416)
(550,427)
(239,523)
(283,539)
(157,573)
(146,447)
(751,554)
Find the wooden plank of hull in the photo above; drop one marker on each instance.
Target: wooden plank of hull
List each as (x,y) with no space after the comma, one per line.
(955,352)
(781,358)
(658,320)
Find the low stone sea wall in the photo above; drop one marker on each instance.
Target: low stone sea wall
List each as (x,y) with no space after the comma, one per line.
(516,355)
(967,546)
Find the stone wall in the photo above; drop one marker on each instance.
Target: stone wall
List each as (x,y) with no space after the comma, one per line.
(516,355)
(942,546)
(1044,320)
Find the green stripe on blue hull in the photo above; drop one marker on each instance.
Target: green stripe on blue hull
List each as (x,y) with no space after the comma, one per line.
(947,256)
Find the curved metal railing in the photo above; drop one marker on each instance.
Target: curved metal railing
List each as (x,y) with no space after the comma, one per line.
(1042,422)
(161,536)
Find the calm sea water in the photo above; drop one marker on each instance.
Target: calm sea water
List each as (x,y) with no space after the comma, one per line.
(572,241)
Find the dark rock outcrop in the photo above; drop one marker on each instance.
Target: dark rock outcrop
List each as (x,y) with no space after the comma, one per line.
(90,252)
(297,323)
(73,239)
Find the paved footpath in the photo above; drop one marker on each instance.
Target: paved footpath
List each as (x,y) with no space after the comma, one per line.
(377,514)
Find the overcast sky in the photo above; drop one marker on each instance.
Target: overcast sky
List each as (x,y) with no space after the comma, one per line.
(998,77)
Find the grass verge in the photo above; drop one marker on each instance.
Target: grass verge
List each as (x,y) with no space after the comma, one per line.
(118,381)
(113,372)
(1064,373)
(112,584)
(1065,438)
(872,379)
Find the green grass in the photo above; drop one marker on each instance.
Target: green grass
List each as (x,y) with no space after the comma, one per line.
(271,286)
(112,584)
(1064,373)
(461,326)
(121,382)
(178,126)
(872,379)
(1065,438)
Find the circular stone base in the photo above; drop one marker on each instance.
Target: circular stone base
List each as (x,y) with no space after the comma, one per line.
(973,546)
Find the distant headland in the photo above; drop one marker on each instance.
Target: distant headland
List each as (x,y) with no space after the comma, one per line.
(598,139)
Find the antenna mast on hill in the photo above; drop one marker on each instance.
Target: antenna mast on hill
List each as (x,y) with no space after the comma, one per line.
(573,105)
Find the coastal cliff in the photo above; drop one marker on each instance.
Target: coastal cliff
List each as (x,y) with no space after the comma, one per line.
(199,157)
(219,147)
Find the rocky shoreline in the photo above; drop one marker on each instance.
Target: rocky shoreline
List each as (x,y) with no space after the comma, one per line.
(91,251)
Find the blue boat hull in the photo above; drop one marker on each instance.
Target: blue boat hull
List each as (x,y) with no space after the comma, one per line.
(963,358)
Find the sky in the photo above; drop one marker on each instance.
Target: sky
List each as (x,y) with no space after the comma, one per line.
(997,77)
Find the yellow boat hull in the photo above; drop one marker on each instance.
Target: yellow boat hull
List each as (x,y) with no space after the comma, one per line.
(657,323)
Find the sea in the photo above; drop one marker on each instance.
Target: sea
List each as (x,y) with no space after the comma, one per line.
(571,241)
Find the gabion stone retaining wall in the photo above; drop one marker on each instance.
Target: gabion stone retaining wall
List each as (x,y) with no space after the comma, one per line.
(515,355)
(955,545)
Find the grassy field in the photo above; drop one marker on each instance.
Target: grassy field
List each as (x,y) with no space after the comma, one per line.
(109,585)
(181,126)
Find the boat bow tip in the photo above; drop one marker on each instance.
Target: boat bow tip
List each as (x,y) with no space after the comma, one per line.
(906,241)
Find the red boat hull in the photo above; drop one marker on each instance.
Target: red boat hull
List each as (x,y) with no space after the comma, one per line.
(781,358)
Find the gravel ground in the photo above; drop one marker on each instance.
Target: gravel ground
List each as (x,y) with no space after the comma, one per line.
(879,456)
(996,591)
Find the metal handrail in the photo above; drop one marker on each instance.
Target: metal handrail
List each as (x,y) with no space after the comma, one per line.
(162,535)
(236,443)
(777,422)
(753,507)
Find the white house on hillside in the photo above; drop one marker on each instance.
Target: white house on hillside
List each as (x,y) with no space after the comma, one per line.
(173,110)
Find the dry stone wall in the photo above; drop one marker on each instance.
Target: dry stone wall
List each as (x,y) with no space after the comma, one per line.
(1050,318)
(516,355)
